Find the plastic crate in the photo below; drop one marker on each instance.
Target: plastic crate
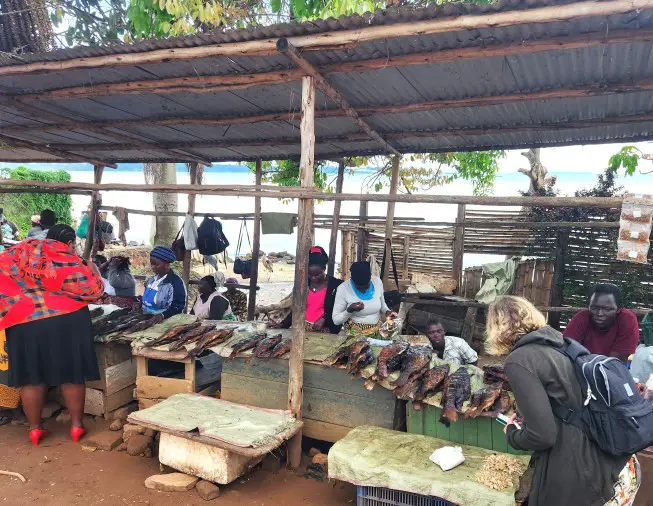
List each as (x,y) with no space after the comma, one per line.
(647,329)
(376,496)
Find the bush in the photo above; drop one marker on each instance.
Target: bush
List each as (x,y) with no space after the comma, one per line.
(20,207)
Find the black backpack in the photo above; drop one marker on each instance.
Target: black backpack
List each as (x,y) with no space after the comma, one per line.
(210,238)
(614,415)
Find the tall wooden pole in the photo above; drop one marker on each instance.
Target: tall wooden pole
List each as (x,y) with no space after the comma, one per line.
(394,181)
(336,219)
(194,167)
(253,280)
(459,245)
(304,229)
(98,170)
(361,236)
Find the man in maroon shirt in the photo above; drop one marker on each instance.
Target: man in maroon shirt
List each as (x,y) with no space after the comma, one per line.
(605,328)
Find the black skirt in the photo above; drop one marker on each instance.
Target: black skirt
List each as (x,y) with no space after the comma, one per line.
(52,351)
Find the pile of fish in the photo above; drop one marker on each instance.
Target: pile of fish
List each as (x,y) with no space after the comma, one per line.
(354,357)
(123,322)
(181,336)
(418,381)
(262,346)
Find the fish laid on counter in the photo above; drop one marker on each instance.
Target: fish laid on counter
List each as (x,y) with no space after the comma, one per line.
(281,349)
(339,357)
(364,358)
(246,344)
(408,390)
(210,339)
(105,323)
(190,336)
(264,347)
(482,400)
(142,325)
(457,388)
(172,334)
(431,381)
(413,363)
(493,374)
(390,358)
(122,323)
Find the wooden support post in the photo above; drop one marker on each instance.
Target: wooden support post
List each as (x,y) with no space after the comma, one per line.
(304,228)
(336,219)
(557,284)
(95,205)
(194,168)
(459,247)
(256,245)
(469,324)
(394,181)
(361,237)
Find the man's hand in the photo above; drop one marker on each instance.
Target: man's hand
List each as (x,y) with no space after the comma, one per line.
(319,325)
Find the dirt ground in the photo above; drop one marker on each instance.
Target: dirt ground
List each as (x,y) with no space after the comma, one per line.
(60,473)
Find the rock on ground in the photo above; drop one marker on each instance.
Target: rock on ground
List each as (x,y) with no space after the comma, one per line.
(137,444)
(313,452)
(122,447)
(63,417)
(173,482)
(116,425)
(207,490)
(321,459)
(123,413)
(50,409)
(106,440)
(129,430)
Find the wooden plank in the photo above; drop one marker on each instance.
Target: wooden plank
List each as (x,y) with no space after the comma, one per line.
(96,200)
(304,237)
(189,373)
(499,442)
(459,245)
(394,181)
(469,324)
(333,240)
(185,273)
(94,402)
(256,244)
(323,431)
(362,235)
(470,431)
(319,404)
(141,366)
(116,377)
(147,403)
(109,354)
(415,419)
(484,432)
(153,387)
(118,399)
(457,431)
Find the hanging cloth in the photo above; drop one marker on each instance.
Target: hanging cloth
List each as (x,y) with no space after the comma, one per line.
(190,233)
(122,216)
(278,223)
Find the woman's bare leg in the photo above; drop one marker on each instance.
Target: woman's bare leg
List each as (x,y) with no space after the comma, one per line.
(33,399)
(74,396)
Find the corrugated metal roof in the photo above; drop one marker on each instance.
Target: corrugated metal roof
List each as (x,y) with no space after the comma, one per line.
(603,75)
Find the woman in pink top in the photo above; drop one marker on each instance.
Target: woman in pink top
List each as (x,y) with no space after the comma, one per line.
(321,295)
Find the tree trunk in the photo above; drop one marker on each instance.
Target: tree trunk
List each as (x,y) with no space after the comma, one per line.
(164,228)
(537,172)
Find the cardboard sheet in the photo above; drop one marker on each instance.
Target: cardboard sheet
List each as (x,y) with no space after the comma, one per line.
(375,457)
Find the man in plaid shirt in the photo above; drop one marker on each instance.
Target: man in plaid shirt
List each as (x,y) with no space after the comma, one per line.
(450,348)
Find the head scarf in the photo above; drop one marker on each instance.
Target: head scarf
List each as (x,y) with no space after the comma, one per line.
(317,256)
(361,273)
(164,254)
(62,233)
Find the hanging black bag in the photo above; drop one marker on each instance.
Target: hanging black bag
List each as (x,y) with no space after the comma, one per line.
(179,247)
(243,266)
(210,237)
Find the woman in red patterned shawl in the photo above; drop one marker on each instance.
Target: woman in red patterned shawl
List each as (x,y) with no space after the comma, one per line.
(45,289)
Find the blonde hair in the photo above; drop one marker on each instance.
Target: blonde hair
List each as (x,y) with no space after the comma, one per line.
(508,319)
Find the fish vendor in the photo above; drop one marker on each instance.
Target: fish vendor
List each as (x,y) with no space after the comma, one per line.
(321,295)
(606,328)
(360,302)
(211,304)
(165,292)
(449,348)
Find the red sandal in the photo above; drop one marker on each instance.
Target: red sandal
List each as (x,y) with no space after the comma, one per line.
(35,435)
(76,433)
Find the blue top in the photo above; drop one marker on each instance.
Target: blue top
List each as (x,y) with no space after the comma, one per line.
(366,295)
(167,297)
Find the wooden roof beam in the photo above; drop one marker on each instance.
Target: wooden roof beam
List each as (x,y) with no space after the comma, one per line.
(592,90)
(72,124)
(67,155)
(390,136)
(330,91)
(346,38)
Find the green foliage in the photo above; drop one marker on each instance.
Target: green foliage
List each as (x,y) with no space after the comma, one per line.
(20,207)
(286,173)
(628,157)
(89,22)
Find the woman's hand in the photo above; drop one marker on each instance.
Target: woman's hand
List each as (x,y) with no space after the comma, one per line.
(319,325)
(390,314)
(511,421)
(355,307)
(158,318)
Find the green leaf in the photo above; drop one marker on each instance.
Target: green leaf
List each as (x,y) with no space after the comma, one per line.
(275,5)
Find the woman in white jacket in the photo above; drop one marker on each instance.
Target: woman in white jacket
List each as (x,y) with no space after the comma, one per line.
(360,302)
